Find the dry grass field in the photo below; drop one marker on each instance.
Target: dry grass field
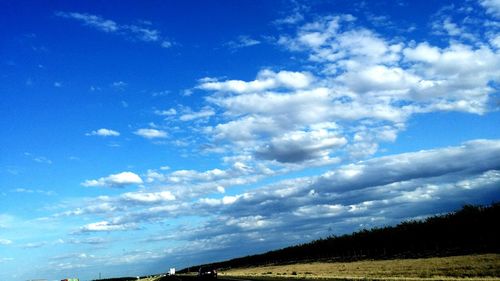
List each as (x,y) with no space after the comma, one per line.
(470,267)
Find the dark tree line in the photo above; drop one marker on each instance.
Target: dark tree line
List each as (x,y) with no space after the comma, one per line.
(473,229)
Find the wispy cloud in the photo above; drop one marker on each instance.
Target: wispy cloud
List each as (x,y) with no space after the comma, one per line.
(242,41)
(38,159)
(34,191)
(94,21)
(492,6)
(204,113)
(4,260)
(119,85)
(5,241)
(105,226)
(168,112)
(151,133)
(142,32)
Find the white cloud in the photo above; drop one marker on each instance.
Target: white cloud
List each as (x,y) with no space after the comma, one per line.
(43,160)
(472,157)
(5,241)
(250,222)
(115,180)
(166,44)
(142,31)
(387,189)
(266,80)
(495,41)
(34,191)
(119,85)
(34,245)
(362,77)
(105,226)
(243,41)
(168,112)
(4,260)
(92,20)
(299,146)
(492,6)
(38,159)
(148,197)
(423,52)
(447,27)
(359,91)
(380,79)
(151,133)
(291,19)
(103,132)
(204,113)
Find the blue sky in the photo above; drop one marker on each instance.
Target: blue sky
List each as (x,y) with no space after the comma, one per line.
(143,136)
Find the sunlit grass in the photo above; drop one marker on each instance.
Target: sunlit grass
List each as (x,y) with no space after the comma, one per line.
(480,267)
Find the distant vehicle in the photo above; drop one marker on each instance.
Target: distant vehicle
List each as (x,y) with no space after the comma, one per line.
(207,273)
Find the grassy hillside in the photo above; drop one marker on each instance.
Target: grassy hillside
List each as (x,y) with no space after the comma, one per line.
(479,267)
(471,230)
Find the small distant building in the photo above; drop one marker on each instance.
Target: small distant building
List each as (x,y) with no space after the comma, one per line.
(172,271)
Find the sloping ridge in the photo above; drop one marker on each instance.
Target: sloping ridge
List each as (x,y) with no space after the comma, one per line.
(471,230)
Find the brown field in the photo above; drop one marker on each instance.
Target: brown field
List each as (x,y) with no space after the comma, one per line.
(470,267)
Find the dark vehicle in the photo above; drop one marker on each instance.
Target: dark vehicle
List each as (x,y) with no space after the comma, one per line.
(207,273)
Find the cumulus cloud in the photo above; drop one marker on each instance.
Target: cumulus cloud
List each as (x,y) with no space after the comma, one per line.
(151,133)
(492,6)
(103,132)
(115,180)
(266,79)
(299,146)
(367,85)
